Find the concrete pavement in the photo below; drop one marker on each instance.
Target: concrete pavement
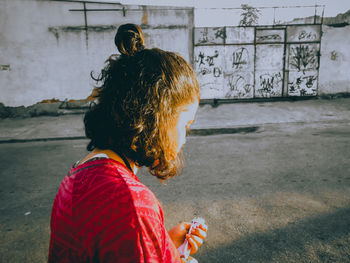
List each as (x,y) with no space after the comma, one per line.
(225,118)
(279,195)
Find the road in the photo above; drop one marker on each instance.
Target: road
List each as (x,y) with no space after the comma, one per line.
(280,194)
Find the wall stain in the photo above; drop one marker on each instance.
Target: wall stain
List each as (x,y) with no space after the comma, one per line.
(143,26)
(144,19)
(5,67)
(54,31)
(78,29)
(343,24)
(334,55)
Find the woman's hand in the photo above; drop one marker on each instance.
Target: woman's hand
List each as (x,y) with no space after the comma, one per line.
(196,237)
(178,234)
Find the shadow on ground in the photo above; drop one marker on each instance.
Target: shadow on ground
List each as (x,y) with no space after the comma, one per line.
(324,238)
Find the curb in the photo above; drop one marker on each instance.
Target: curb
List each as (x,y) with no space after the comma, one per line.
(193,132)
(215,131)
(43,139)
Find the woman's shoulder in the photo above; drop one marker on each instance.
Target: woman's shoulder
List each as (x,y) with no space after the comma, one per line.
(117,183)
(101,168)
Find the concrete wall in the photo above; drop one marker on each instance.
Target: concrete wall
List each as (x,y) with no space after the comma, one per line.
(48,48)
(335,61)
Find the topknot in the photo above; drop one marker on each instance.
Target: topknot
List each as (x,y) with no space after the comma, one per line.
(129,39)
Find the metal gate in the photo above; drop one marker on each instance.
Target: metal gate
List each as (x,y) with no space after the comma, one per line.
(257,62)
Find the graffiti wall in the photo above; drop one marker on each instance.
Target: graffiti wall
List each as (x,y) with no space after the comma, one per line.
(303,57)
(224,62)
(239,80)
(269,62)
(257,62)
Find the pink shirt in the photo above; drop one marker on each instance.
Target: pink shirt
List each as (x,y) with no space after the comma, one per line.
(103,213)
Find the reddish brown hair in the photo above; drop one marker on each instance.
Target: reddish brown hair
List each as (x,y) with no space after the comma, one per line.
(141,95)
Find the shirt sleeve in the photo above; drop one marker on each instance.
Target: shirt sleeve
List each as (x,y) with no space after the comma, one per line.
(143,237)
(155,241)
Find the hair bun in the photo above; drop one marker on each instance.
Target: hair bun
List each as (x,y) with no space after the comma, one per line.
(129,39)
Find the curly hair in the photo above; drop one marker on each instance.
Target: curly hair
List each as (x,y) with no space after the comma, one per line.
(141,95)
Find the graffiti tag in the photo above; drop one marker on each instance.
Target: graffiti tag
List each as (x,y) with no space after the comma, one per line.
(238,87)
(274,37)
(220,33)
(217,72)
(303,85)
(240,58)
(210,59)
(310,81)
(206,64)
(334,55)
(210,35)
(269,84)
(201,58)
(303,35)
(303,57)
(205,71)
(204,36)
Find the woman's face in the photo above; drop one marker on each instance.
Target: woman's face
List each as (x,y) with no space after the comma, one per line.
(186,118)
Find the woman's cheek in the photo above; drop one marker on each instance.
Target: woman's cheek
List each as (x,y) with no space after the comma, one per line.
(181,137)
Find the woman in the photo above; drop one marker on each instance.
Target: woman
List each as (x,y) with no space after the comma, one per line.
(102,212)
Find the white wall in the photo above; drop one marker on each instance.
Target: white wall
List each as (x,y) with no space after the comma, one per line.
(51,56)
(334,76)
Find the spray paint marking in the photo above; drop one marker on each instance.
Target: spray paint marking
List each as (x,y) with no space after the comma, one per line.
(240,58)
(207,64)
(303,35)
(239,88)
(270,84)
(210,59)
(302,85)
(303,57)
(204,36)
(220,33)
(274,37)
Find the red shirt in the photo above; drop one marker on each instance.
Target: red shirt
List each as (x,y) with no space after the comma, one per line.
(103,213)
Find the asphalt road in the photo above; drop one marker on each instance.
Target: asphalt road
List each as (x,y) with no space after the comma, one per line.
(280,194)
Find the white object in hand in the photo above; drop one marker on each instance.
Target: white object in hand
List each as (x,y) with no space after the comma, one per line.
(183,249)
(191,260)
